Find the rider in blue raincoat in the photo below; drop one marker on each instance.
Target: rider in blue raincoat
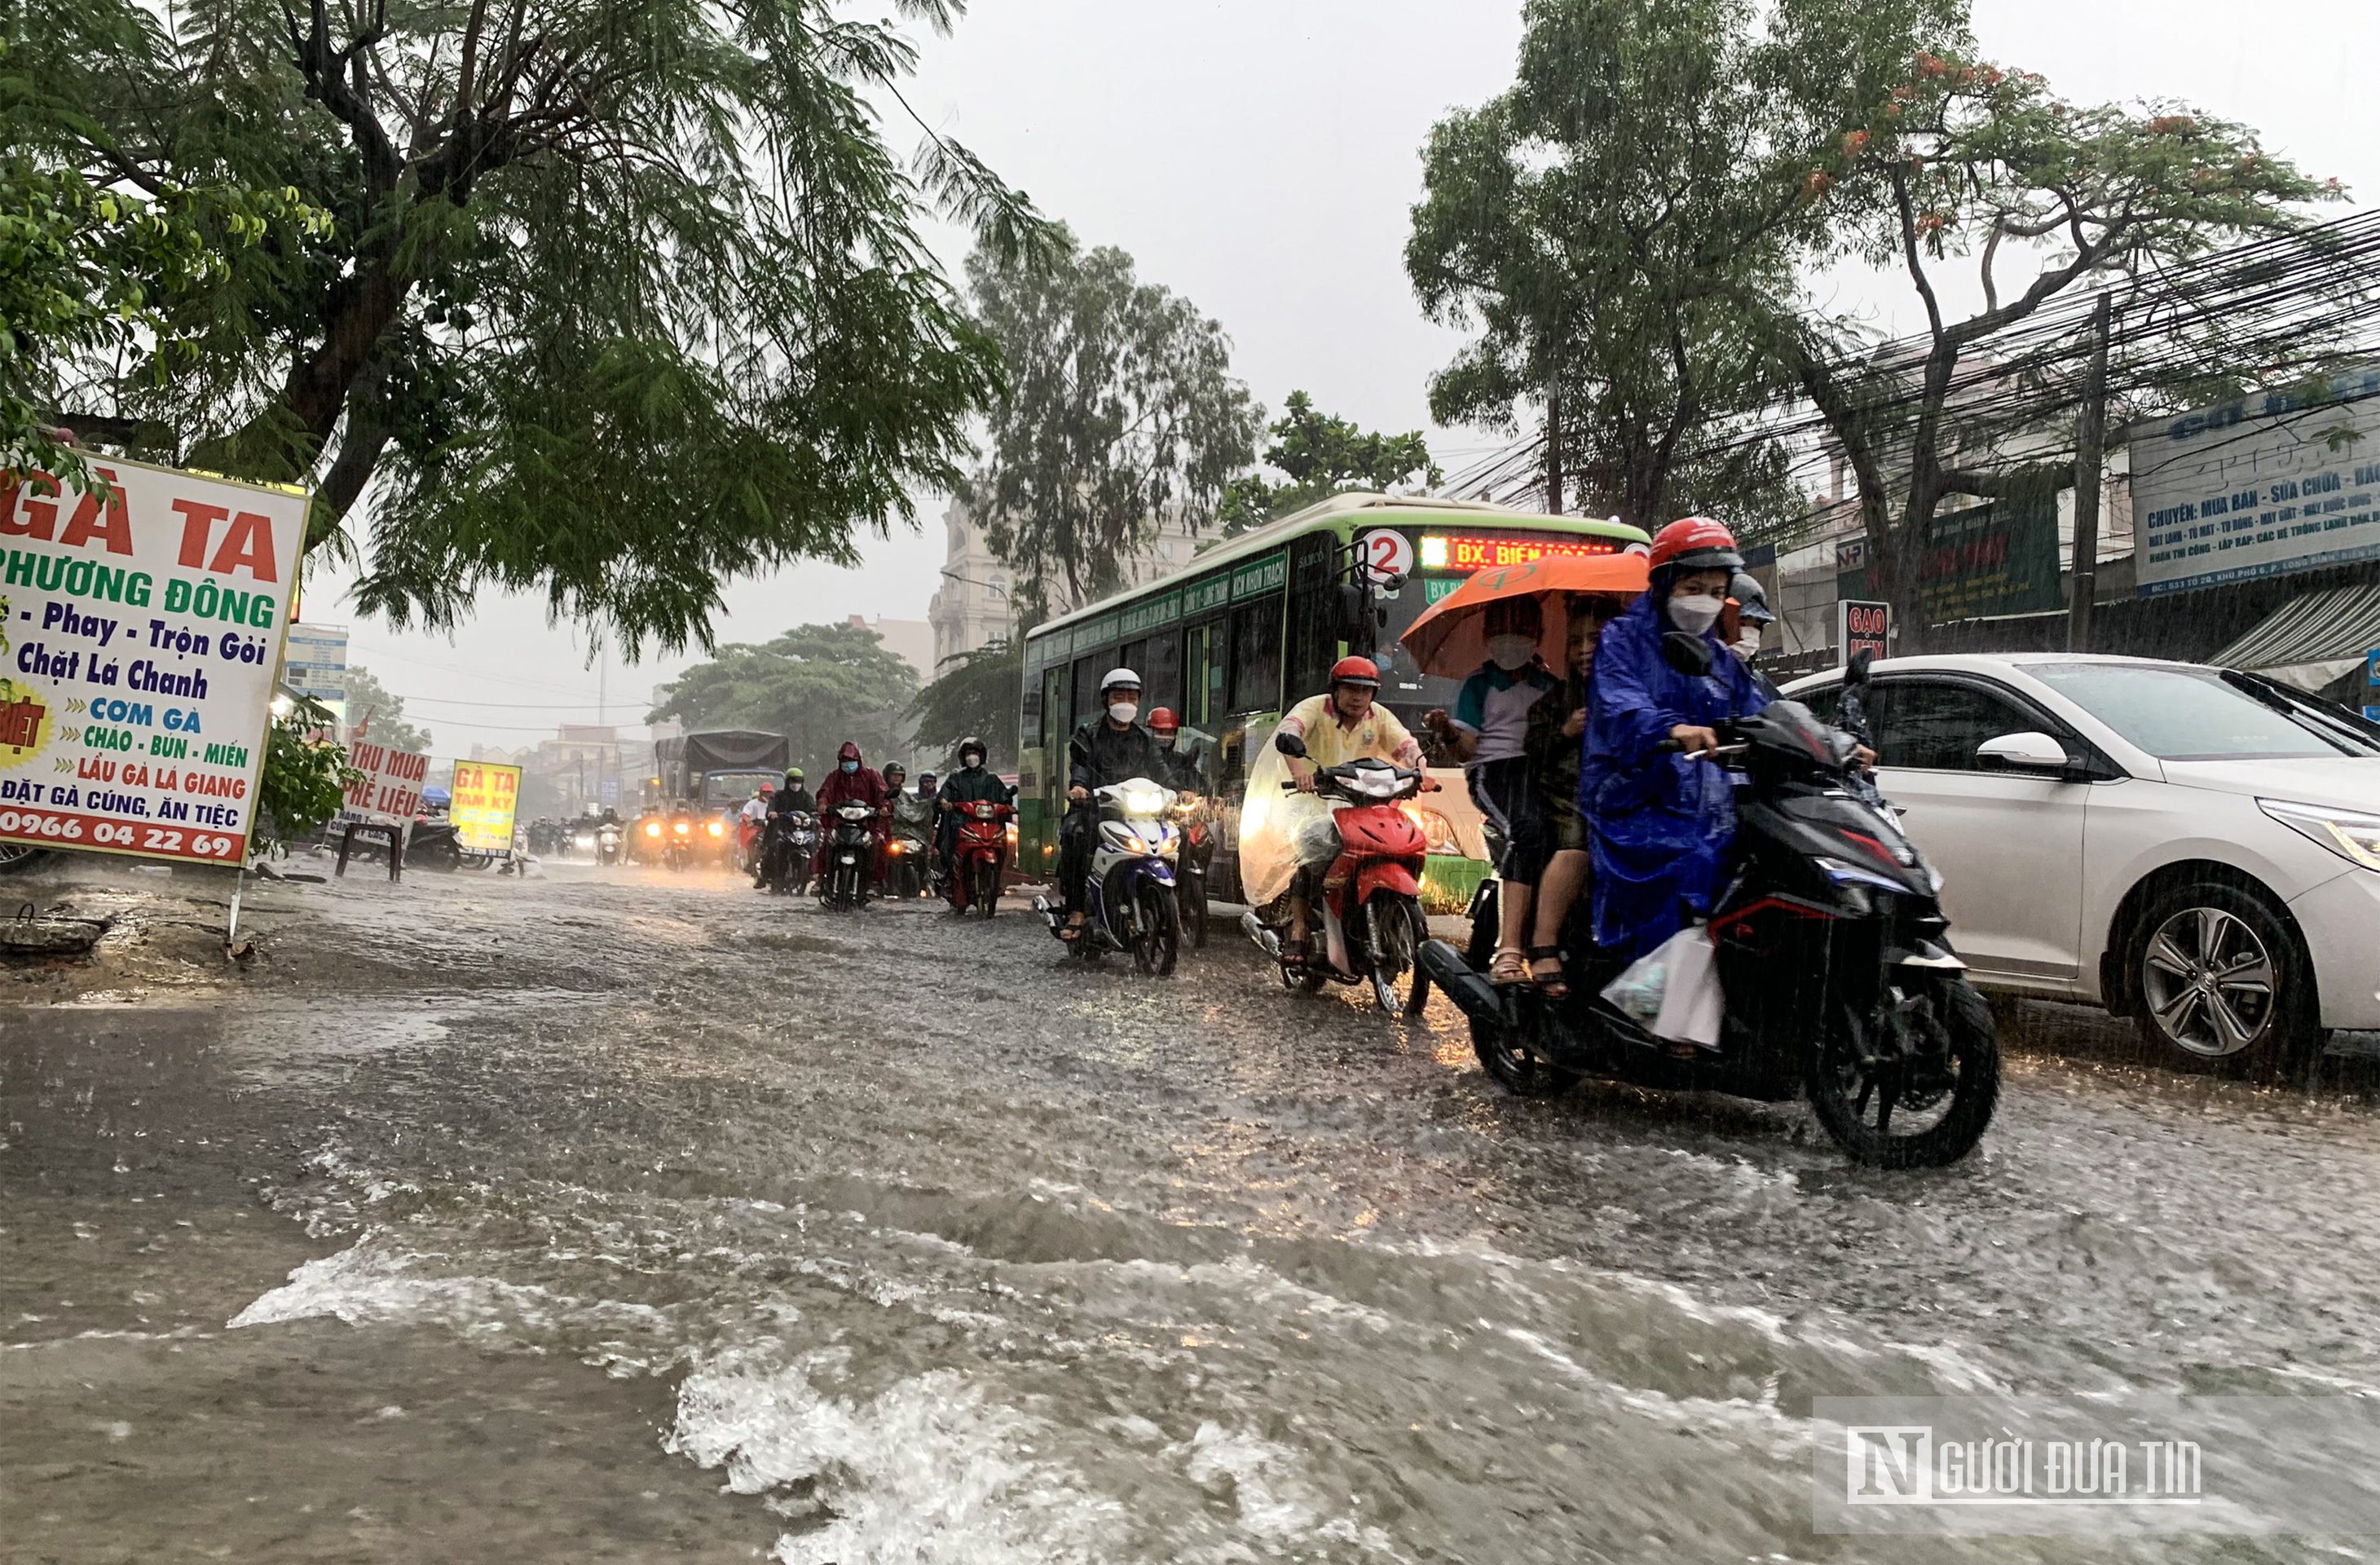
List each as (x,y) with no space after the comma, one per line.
(1660,821)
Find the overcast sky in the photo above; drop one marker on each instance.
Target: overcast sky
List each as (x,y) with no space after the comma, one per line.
(1259,156)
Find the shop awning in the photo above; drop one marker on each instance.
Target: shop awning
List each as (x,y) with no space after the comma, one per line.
(2311,642)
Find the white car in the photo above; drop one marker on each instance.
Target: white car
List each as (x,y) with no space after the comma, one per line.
(2193,847)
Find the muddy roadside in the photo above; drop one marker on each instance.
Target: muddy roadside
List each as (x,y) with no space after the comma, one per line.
(154,1098)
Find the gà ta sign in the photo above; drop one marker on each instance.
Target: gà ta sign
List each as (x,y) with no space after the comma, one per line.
(140,627)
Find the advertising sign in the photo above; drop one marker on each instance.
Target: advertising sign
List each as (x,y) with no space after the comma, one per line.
(2277,482)
(390,789)
(139,628)
(316,661)
(486,797)
(1999,558)
(1862,628)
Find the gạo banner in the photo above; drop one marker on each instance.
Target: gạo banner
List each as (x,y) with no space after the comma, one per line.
(140,627)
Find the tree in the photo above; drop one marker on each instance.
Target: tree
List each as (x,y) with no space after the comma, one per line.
(1121,409)
(817,685)
(1963,162)
(370,703)
(1620,224)
(91,272)
(622,298)
(977,694)
(1320,454)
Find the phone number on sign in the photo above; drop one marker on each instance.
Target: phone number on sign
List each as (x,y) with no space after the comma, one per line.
(116,836)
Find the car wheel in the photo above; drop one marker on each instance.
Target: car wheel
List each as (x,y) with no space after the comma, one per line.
(2224,984)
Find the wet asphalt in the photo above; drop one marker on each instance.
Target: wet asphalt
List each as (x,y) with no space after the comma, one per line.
(611,1214)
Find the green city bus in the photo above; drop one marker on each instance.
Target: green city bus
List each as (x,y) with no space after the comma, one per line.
(1252,626)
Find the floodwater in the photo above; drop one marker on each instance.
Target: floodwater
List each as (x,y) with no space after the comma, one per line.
(626,1216)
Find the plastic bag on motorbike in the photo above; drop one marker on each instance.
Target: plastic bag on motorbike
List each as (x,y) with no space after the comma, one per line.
(1673,992)
(1272,822)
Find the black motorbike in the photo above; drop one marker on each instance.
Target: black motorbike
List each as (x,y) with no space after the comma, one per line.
(850,854)
(1833,955)
(786,842)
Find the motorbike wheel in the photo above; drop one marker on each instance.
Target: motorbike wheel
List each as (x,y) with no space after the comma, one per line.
(1392,926)
(1933,1050)
(1194,910)
(983,887)
(1157,942)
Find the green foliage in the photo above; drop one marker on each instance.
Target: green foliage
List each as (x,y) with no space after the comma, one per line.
(1960,160)
(89,273)
(622,300)
(979,694)
(1320,454)
(1622,225)
(1121,409)
(369,699)
(303,780)
(819,685)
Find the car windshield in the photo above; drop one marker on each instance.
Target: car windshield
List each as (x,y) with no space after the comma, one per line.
(2177,714)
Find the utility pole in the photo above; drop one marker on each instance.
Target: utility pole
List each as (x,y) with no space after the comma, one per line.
(1554,449)
(2091,433)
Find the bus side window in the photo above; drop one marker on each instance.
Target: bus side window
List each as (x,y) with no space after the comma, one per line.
(1256,656)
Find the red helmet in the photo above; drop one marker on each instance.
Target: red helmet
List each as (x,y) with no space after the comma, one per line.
(1356,671)
(1696,543)
(1163,720)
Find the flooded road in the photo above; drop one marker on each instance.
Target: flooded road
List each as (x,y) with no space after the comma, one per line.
(614,1215)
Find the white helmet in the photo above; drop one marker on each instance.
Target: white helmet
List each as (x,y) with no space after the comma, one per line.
(1118,676)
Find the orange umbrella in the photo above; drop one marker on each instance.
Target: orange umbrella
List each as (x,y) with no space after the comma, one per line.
(1449,638)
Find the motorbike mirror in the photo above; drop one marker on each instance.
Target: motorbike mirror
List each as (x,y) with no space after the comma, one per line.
(1855,672)
(1686,653)
(1290,745)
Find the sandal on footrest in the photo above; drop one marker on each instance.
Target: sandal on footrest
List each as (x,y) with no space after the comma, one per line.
(1554,984)
(1508,966)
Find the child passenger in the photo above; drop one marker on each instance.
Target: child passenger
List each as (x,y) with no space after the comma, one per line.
(1557,856)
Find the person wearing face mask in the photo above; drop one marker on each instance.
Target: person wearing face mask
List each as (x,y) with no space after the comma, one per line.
(972,784)
(1489,734)
(853,782)
(1110,748)
(1745,621)
(1191,754)
(1660,815)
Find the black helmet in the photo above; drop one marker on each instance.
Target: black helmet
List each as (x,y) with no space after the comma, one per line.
(973,744)
(892,767)
(1751,599)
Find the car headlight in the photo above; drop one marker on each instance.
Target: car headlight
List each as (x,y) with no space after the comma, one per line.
(2351,835)
(1436,830)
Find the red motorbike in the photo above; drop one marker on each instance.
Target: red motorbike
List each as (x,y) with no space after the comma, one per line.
(979,856)
(1372,927)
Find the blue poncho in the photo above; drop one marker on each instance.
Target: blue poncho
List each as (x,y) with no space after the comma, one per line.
(1660,824)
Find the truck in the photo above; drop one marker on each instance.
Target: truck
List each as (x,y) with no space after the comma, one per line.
(719,767)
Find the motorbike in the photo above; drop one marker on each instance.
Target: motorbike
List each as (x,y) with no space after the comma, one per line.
(1194,817)
(1833,957)
(1372,926)
(609,843)
(1129,895)
(908,866)
(786,842)
(850,854)
(677,843)
(979,856)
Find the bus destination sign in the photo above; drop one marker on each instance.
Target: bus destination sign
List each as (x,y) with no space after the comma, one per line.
(1456,551)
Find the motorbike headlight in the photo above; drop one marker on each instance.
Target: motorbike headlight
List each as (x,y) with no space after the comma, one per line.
(682,828)
(1435,828)
(718,830)
(652,829)
(2351,835)
(1143,802)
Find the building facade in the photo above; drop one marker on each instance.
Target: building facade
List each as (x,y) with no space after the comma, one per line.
(972,608)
